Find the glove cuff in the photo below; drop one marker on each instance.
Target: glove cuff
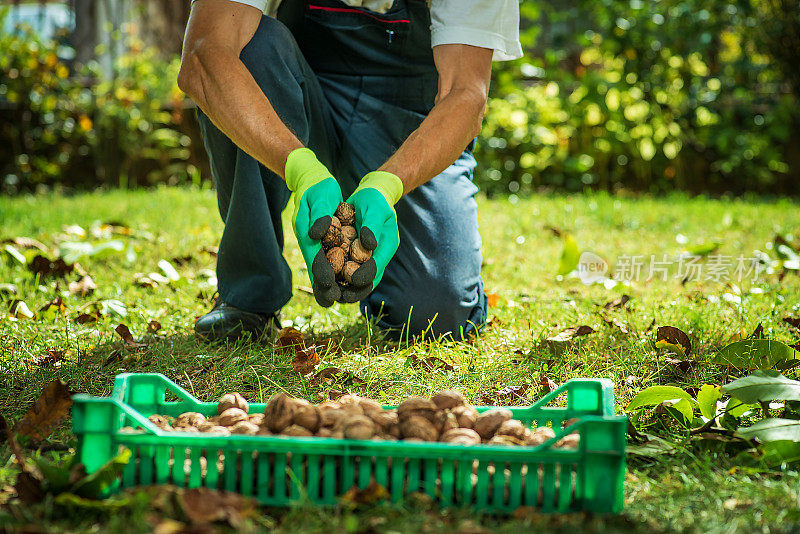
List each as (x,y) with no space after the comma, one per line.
(387,184)
(301,165)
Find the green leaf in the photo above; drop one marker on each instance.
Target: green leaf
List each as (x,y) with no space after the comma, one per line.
(772,429)
(776,453)
(654,446)
(707,399)
(114,503)
(681,411)
(737,408)
(570,255)
(656,395)
(93,485)
(756,354)
(763,386)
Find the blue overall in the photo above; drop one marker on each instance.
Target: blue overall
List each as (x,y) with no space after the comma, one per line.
(352,85)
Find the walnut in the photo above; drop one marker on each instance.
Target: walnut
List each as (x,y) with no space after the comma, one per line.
(489,421)
(358,253)
(512,428)
(244,427)
(465,415)
(189,419)
(297,431)
(416,406)
(160,421)
(384,419)
(418,427)
(505,440)
(346,214)
(218,430)
(279,412)
(306,415)
(349,234)
(461,436)
(206,426)
(333,237)
(370,406)
(539,436)
(445,421)
(231,416)
(358,427)
(348,270)
(232,400)
(256,418)
(324,432)
(337,258)
(569,422)
(448,399)
(332,417)
(570,441)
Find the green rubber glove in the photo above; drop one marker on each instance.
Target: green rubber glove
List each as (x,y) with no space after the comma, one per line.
(376,222)
(316,196)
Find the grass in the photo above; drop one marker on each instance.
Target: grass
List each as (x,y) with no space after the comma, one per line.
(700,489)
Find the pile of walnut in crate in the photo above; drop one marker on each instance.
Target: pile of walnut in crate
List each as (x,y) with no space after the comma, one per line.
(446,417)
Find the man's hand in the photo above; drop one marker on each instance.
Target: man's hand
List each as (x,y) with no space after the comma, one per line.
(216,79)
(376,222)
(316,196)
(464,76)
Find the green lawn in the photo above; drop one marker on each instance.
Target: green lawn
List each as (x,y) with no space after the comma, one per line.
(702,488)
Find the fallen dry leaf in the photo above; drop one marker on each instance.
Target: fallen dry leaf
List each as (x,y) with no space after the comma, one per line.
(83,287)
(332,375)
(289,339)
(53,356)
(43,267)
(493,299)
(55,306)
(305,361)
(681,365)
(372,494)
(547,385)
(153,326)
(617,303)
(571,333)
(50,408)
(180,261)
(674,339)
(86,318)
(794,322)
(204,505)
(127,338)
(506,395)
(758,333)
(430,363)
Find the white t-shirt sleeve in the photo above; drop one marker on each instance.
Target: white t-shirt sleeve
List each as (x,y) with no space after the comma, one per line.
(258,4)
(486,23)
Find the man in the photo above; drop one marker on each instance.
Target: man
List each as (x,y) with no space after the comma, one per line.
(373,101)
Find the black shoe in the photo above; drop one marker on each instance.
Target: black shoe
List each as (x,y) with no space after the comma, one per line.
(227,322)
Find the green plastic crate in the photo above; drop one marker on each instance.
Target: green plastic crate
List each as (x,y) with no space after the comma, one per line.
(278,471)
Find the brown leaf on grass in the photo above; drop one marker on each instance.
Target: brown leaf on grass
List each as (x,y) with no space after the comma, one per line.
(86,318)
(547,385)
(83,287)
(506,395)
(681,365)
(615,322)
(617,303)
(153,326)
(571,333)
(43,266)
(53,356)
(50,408)
(794,322)
(26,242)
(430,363)
(288,340)
(674,339)
(758,333)
(332,375)
(493,299)
(180,261)
(305,361)
(127,338)
(55,306)
(372,494)
(204,505)
(557,232)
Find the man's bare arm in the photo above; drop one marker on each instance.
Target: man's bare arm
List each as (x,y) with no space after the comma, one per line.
(464,76)
(216,79)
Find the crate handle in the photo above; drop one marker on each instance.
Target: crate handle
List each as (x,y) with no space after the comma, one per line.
(150,388)
(584,394)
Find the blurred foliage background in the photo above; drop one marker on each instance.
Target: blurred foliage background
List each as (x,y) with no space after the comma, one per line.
(641,95)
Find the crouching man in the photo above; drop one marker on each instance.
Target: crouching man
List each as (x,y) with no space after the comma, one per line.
(372,101)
